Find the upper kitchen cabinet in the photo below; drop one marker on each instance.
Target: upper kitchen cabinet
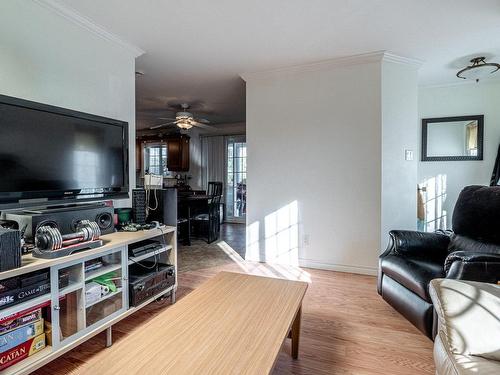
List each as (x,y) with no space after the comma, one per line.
(178,152)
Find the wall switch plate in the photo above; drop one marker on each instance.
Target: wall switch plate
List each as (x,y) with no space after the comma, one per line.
(408,155)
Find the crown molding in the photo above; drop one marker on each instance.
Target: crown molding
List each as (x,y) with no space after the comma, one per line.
(86,23)
(391,57)
(364,58)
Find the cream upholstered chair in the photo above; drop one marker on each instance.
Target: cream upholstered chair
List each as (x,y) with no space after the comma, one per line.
(468,338)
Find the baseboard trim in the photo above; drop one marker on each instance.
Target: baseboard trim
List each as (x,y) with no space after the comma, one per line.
(308,263)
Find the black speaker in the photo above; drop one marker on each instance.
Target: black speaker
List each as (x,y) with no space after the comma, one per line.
(63,218)
(10,249)
(139,206)
(163,206)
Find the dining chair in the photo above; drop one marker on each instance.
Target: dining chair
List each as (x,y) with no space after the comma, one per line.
(214,189)
(208,223)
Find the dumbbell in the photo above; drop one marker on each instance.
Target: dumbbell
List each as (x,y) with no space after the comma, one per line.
(49,238)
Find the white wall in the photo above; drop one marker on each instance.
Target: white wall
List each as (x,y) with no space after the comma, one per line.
(313,137)
(47,58)
(321,191)
(399,133)
(459,100)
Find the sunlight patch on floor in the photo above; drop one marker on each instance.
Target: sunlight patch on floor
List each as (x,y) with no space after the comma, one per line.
(289,272)
(235,257)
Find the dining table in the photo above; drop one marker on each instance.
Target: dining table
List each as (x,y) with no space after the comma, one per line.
(190,204)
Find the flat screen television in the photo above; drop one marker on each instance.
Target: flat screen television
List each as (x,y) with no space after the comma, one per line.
(53,154)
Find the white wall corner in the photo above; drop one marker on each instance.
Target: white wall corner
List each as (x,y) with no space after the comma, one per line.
(399,113)
(86,23)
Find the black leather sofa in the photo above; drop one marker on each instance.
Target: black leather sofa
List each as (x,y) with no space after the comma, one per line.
(470,252)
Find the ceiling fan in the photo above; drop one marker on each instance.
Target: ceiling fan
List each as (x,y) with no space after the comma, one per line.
(184,120)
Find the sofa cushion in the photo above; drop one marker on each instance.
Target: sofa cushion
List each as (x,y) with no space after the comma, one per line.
(477,213)
(447,363)
(414,273)
(469,316)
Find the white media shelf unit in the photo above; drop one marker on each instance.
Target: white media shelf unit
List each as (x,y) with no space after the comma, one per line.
(73,320)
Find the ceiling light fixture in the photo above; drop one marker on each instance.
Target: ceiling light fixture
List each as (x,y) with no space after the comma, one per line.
(184,120)
(184,124)
(478,69)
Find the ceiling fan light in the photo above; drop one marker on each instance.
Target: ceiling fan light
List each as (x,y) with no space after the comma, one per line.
(478,69)
(184,125)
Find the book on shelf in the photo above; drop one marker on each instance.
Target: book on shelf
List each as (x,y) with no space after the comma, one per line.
(22,351)
(20,335)
(19,319)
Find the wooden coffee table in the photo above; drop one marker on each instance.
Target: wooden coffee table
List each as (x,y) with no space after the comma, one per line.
(233,324)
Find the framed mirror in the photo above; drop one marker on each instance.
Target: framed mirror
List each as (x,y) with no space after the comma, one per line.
(452,138)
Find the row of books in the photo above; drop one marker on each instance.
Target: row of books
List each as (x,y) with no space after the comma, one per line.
(22,334)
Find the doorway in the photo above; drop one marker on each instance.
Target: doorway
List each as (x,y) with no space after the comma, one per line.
(236,179)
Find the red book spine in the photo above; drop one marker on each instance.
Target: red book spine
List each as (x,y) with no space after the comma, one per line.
(22,351)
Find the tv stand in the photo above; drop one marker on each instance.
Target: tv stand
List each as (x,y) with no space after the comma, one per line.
(73,319)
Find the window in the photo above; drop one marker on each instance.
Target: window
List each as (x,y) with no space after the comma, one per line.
(236,178)
(155,159)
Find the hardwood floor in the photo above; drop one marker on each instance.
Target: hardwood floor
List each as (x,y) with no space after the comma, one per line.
(200,255)
(235,236)
(346,327)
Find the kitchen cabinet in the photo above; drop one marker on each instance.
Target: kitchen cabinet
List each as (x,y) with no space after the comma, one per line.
(178,153)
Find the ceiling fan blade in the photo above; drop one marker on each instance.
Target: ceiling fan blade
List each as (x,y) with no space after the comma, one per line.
(162,125)
(203,126)
(202,120)
(166,118)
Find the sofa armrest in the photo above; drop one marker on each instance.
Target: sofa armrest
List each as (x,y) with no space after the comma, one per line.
(473,266)
(419,243)
(406,242)
(467,316)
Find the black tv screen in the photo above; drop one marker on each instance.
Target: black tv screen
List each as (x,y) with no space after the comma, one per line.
(54,153)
